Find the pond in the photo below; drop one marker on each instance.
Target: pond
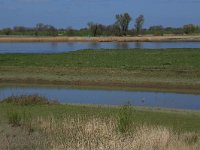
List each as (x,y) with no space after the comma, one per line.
(108,97)
(60,47)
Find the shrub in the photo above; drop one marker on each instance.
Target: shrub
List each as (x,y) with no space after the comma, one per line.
(14,118)
(28,100)
(189,28)
(125,118)
(27,121)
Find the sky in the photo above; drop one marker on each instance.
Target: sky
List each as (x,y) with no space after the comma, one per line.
(77,13)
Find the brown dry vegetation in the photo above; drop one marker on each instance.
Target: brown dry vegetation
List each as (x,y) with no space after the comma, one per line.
(99,134)
(95,134)
(101,39)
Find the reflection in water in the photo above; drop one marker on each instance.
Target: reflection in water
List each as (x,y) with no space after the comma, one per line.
(106,97)
(60,47)
(122,45)
(138,45)
(71,45)
(94,45)
(54,45)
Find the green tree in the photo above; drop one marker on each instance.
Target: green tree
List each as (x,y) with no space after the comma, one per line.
(93,27)
(138,24)
(157,30)
(7,31)
(189,28)
(122,21)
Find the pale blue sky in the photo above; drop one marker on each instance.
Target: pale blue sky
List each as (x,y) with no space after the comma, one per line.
(77,13)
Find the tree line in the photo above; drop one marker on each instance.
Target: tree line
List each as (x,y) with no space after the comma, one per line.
(121,27)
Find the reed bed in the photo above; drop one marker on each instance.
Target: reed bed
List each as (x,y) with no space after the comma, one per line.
(92,133)
(100,39)
(101,134)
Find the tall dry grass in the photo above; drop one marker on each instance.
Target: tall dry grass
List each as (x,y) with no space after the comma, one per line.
(103,134)
(101,39)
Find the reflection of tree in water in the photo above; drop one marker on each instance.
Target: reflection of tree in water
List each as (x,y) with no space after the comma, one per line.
(122,45)
(54,45)
(95,45)
(138,45)
(70,44)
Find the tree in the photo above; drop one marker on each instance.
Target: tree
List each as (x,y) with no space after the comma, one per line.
(157,30)
(138,24)
(93,28)
(46,29)
(189,28)
(122,21)
(7,31)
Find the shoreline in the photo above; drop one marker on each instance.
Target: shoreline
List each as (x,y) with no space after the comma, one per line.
(166,38)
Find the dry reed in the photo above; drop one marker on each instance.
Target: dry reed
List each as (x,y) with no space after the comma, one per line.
(100,134)
(101,39)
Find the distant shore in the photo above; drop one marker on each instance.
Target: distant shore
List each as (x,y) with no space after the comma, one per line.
(149,38)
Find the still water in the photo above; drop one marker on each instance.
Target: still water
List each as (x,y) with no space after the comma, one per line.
(61,47)
(108,97)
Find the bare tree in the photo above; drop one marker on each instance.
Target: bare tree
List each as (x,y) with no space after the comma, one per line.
(122,21)
(138,24)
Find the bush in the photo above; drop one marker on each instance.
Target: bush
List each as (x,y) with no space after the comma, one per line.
(14,118)
(125,118)
(189,28)
(28,100)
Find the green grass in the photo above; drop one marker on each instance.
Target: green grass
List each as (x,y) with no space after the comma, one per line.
(177,120)
(160,69)
(178,59)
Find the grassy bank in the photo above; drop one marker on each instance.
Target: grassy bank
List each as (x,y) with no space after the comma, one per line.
(147,38)
(164,69)
(31,122)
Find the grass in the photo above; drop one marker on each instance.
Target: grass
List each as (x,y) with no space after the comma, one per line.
(163,59)
(125,118)
(101,134)
(14,118)
(163,69)
(178,120)
(44,126)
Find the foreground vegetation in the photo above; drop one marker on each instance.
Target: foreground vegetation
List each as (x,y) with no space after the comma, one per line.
(30,122)
(163,69)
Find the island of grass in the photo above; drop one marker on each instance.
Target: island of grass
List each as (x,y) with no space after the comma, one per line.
(34,122)
(144,69)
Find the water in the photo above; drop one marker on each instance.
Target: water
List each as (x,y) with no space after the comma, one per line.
(61,47)
(108,97)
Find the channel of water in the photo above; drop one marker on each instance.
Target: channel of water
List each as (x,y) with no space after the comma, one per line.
(108,97)
(60,47)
